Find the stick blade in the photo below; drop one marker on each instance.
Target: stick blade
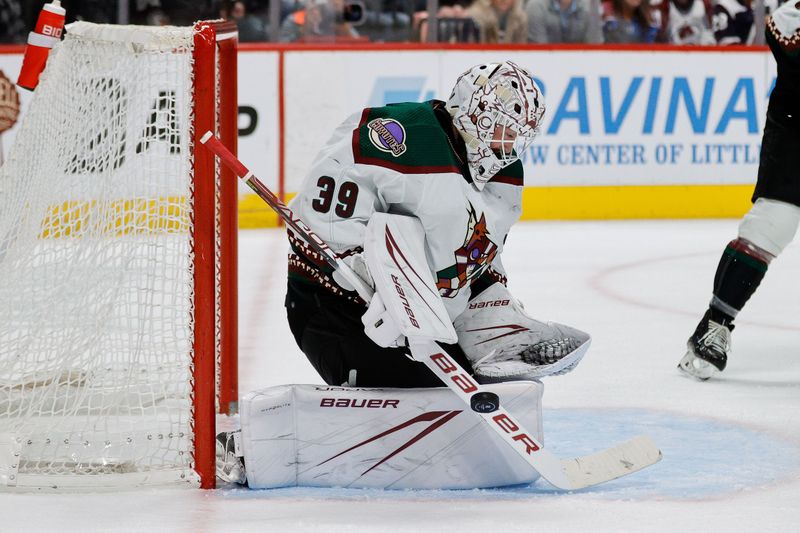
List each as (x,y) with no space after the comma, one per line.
(621,460)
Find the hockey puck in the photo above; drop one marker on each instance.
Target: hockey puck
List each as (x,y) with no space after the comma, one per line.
(484,402)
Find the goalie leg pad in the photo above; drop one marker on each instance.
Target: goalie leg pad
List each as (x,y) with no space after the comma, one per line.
(321,436)
(503,343)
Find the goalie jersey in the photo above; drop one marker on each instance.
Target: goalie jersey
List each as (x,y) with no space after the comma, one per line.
(407,159)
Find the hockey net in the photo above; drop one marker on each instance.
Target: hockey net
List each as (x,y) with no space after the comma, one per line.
(117,262)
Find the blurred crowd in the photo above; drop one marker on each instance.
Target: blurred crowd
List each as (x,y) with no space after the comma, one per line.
(689,22)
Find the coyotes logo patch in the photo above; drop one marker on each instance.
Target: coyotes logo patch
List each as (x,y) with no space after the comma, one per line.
(472,259)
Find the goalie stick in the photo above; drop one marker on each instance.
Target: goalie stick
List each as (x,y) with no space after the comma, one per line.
(566,474)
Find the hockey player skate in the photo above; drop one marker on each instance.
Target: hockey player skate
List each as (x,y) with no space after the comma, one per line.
(503,343)
(707,349)
(230,459)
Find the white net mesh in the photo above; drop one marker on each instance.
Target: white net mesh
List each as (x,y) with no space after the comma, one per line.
(96,265)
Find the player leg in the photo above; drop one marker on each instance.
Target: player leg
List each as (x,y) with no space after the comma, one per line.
(330,333)
(764,232)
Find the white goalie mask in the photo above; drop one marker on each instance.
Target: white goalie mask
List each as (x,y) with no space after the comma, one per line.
(497,108)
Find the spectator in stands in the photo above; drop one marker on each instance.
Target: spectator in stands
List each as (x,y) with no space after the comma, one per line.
(182,12)
(156,17)
(251,28)
(685,21)
(563,21)
(166,12)
(733,22)
(98,11)
(260,8)
(386,20)
(500,21)
(321,20)
(12,26)
(139,9)
(628,21)
(453,22)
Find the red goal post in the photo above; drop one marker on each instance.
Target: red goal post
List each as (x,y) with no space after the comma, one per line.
(216,330)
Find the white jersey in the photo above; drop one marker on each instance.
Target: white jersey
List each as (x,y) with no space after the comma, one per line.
(399,159)
(784,25)
(732,20)
(690,23)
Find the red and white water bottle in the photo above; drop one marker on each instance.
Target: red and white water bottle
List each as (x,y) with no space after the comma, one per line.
(47,33)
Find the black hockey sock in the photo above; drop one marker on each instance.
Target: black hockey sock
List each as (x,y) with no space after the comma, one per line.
(739,273)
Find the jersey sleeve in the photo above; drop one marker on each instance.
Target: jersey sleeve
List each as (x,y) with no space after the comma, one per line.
(379,159)
(398,159)
(336,199)
(784,27)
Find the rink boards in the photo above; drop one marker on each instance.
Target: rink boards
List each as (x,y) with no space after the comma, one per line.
(629,132)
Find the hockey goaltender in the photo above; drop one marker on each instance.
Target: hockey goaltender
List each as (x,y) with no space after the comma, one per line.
(395,288)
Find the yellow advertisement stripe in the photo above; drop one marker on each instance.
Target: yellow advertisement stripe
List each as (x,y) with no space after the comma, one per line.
(538,203)
(255,213)
(632,202)
(116,217)
(589,203)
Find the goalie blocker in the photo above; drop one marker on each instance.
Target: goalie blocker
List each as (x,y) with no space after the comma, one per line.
(322,436)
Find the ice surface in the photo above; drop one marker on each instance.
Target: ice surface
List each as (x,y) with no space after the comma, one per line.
(731,446)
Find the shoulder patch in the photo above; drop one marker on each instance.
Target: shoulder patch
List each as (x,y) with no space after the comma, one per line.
(404,137)
(387,135)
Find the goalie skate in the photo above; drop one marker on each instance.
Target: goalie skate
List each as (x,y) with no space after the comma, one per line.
(230,459)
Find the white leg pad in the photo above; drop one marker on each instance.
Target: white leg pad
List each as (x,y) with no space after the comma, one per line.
(770,225)
(322,436)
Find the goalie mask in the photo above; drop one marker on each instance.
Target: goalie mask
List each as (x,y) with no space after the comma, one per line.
(497,108)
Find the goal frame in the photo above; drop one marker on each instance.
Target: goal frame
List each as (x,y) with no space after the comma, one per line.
(215,323)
